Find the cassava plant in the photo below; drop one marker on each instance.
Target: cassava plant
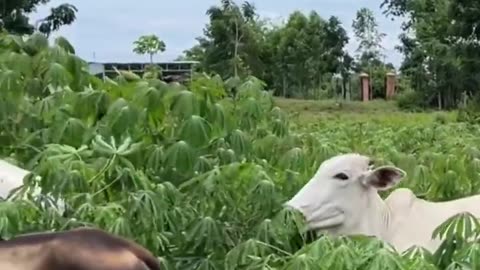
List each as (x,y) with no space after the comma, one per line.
(199,177)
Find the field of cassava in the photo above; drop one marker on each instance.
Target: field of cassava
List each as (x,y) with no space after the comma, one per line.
(199,177)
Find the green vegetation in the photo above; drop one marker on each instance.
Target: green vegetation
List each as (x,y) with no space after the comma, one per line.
(440,45)
(296,59)
(305,57)
(149,44)
(309,111)
(14,16)
(198,175)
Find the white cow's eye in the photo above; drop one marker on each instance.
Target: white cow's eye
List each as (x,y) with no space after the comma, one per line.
(371,164)
(341,176)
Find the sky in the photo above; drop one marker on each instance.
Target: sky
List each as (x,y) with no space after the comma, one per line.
(105,30)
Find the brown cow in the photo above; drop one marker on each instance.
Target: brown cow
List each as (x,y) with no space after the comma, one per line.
(77,249)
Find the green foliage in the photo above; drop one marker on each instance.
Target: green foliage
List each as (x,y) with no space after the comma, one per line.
(64,14)
(295,59)
(306,51)
(14,16)
(231,39)
(411,100)
(199,177)
(441,49)
(365,29)
(471,112)
(369,51)
(211,87)
(149,44)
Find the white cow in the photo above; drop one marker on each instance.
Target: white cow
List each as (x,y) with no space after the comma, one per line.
(11,178)
(342,199)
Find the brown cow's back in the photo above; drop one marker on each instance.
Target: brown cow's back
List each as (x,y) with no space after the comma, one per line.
(79,249)
(24,257)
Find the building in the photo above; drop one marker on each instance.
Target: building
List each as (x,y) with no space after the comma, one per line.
(171,71)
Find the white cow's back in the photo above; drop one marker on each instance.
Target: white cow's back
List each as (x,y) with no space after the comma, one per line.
(413,220)
(11,177)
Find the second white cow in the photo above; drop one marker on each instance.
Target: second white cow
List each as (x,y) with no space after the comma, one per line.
(11,178)
(342,199)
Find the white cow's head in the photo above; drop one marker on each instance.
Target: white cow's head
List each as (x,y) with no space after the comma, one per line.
(342,191)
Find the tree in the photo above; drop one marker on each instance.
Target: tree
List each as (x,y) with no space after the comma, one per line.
(233,43)
(298,58)
(14,16)
(336,39)
(441,48)
(465,13)
(229,32)
(61,15)
(149,44)
(303,54)
(196,53)
(365,28)
(346,68)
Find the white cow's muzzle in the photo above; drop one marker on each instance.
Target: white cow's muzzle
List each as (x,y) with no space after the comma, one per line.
(319,216)
(325,217)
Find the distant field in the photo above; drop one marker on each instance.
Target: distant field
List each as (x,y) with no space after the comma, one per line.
(311,111)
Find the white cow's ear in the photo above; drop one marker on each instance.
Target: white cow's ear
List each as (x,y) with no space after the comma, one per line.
(384,177)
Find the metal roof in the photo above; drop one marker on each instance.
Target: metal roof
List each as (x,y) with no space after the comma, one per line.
(143,63)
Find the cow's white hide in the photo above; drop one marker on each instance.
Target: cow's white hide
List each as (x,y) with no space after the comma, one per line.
(342,199)
(11,178)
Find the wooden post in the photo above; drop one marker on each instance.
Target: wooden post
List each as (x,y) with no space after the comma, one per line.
(365,87)
(390,85)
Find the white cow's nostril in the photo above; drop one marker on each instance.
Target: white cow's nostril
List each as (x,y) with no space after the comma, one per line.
(305,207)
(291,205)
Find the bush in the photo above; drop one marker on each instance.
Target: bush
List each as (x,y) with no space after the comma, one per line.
(411,101)
(471,112)
(441,118)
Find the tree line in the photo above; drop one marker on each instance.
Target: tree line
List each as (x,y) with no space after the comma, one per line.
(306,56)
(303,58)
(441,49)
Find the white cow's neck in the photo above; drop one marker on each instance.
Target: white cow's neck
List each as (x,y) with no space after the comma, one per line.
(378,217)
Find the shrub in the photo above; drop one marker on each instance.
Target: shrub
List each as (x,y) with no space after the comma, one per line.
(471,112)
(411,101)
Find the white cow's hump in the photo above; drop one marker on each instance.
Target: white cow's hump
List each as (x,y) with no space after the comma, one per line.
(401,198)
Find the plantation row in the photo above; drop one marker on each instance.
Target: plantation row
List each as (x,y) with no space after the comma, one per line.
(199,175)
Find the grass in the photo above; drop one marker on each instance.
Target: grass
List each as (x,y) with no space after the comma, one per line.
(311,111)
(330,105)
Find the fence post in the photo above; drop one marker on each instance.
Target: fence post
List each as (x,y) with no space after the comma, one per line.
(390,85)
(365,87)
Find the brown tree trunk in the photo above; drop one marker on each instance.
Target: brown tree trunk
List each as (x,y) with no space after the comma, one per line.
(235,52)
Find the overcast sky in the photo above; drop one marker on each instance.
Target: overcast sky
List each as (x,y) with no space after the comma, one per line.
(105,29)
